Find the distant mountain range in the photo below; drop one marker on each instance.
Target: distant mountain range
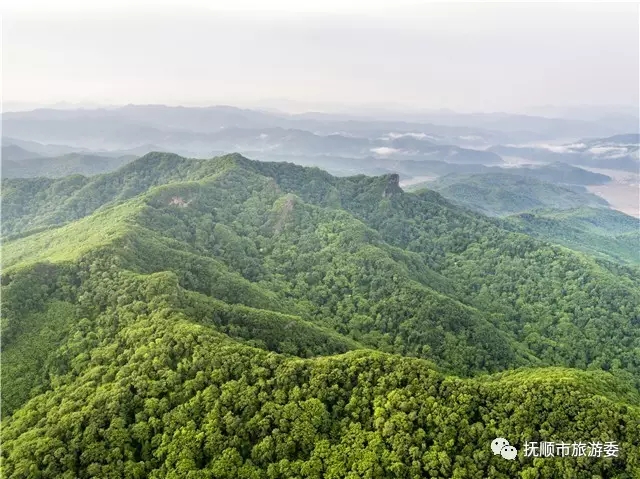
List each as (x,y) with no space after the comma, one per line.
(48,161)
(13,152)
(148,123)
(614,152)
(54,143)
(102,134)
(58,166)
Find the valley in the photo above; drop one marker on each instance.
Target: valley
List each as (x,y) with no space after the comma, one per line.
(622,193)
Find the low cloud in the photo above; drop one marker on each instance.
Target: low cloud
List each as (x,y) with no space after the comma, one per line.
(558,148)
(608,151)
(384,151)
(418,136)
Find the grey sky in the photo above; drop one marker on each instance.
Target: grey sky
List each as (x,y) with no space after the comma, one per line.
(467,57)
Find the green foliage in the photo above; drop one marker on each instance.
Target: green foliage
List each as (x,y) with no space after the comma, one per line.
(227,318)
(37,202)
(26,361)
(557,173)
(497,194)
(68,242)
(604,222)
(164,397)
(31,329)
(605,233)
(64,165)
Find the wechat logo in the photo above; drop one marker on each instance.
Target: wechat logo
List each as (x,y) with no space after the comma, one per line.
(501,446)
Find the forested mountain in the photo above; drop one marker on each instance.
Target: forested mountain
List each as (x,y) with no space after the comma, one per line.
(104,133)
(561,173)
(232,318)
(35,149)
(69,164)
(557,173)
(497,194)
(15,153)
(601,232)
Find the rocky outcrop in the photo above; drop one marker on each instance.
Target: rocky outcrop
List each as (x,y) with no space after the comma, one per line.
(393,185)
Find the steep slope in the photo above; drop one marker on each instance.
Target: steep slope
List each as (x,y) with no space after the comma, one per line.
(159,329)
(37,202)
(342,269)
(358,286)
(543,293)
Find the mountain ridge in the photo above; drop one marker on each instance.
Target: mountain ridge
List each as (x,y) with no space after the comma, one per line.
(234,318)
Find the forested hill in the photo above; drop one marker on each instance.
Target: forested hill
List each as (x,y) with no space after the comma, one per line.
(605,233)
(231,318)
(505,193)
(63,165)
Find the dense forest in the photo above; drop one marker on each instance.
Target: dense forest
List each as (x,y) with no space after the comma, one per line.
(604,233)
(227,318)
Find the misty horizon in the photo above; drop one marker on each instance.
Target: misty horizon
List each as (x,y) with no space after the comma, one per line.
(511,58)
(365,110)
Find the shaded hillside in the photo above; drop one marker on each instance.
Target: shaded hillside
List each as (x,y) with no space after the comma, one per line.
(59,166)
(557,173)
(498,194)
(14,153)
(562,173)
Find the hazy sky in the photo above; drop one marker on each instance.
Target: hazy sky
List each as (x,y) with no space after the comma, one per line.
(463,56)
